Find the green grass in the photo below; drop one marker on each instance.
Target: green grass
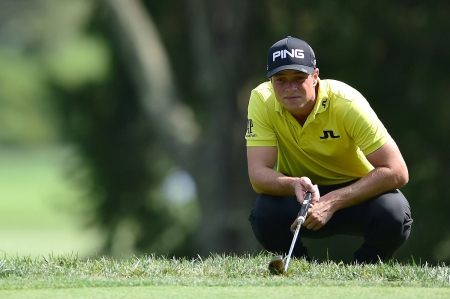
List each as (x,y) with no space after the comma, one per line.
(217,276)
(37,204)
(231,292)
(36,220)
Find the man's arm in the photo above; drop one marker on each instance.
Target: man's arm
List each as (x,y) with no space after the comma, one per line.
(264,179)
(390,173)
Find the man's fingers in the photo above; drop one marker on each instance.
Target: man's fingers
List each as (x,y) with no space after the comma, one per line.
(314,189)
(315,194)
(294,225)
(307,220)
(306,185)
(306,182)
(299,194)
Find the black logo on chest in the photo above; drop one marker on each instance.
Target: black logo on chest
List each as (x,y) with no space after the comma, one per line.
(328,134)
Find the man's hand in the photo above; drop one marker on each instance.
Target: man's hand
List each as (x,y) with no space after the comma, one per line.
(304,184)
(318,215)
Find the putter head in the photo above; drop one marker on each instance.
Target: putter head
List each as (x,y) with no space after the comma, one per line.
(276,265)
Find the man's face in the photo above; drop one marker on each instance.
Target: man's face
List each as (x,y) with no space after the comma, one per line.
(295,90)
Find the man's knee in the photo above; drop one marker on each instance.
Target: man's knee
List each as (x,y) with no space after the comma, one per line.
(391,221)
(271,219)
(273,213)
(392,210)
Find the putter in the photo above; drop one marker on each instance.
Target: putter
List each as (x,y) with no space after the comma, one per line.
(276,265)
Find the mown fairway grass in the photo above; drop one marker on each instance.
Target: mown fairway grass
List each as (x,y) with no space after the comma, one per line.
(34,222)
(39,207)
(217,276)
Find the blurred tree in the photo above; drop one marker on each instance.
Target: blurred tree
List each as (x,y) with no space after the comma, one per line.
(155,85)
(396,43)
(216,50)
(123,159)
(210,154)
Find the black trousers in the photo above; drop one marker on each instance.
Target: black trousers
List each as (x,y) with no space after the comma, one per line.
(383,221)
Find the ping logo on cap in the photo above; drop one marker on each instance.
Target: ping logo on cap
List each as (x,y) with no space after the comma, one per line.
(290,54)
(295,53)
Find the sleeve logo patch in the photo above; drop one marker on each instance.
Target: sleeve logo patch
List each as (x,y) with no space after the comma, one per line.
(250,129)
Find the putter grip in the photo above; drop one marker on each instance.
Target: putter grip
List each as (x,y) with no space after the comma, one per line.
(305,205)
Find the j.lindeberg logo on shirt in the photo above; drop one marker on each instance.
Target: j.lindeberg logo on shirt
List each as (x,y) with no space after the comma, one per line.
(328,133)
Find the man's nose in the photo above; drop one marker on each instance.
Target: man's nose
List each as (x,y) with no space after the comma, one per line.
(291,86)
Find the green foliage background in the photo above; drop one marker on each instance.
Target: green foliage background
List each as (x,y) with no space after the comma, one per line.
(66,77)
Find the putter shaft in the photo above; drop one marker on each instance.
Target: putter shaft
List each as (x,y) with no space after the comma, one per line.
(294,240)
(301,218)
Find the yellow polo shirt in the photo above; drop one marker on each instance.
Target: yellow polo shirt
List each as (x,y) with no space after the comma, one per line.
(331,146)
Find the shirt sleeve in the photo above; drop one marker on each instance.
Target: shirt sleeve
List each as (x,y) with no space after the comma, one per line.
(260,129)
(363,125)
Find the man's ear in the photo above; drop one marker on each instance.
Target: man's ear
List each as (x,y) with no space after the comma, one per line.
(316,73)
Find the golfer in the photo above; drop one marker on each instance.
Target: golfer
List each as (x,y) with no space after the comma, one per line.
(304,133)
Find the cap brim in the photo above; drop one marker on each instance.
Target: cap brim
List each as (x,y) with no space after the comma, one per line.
(304,69)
